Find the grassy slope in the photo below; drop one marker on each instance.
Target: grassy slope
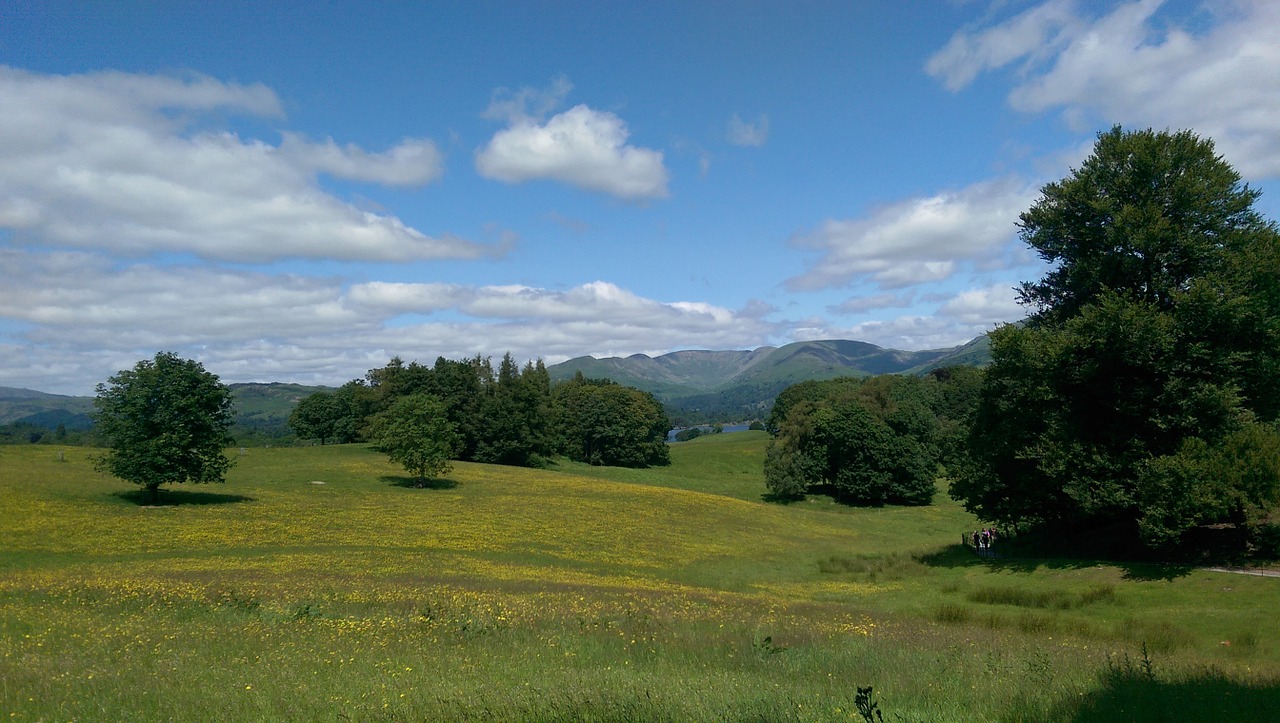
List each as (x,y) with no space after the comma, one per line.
(577,592)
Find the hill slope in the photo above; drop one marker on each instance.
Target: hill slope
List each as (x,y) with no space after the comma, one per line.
(27,405)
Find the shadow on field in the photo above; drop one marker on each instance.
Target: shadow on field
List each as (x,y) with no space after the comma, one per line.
(171,498)
(1132,695)
(955,556)
(417,484)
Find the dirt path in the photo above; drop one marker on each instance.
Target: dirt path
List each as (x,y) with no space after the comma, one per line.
(1256,571)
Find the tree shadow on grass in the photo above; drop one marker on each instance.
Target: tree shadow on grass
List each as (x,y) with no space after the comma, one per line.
(1129,693)
(172,498)
(1010,558)
(414,483)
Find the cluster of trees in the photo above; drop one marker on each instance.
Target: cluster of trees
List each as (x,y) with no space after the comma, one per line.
(1141,395)
(510,415)
(869,441)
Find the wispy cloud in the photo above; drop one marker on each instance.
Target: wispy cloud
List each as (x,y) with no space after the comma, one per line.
(1135,67)
(743,133)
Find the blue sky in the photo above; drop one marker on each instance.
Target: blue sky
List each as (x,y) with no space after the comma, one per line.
(299,191)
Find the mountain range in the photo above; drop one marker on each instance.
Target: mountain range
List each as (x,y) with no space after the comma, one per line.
(701,386)
(695,386)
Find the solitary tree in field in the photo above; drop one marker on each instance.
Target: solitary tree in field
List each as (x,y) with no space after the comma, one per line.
(416,432)
(167,420)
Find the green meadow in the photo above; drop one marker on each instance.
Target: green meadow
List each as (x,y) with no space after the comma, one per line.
(319,584)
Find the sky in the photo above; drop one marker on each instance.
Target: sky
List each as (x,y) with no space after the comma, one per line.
(298,192)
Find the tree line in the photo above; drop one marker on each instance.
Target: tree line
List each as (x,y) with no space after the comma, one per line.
(508,415)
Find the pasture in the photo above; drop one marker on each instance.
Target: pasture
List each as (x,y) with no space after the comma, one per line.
(317,584)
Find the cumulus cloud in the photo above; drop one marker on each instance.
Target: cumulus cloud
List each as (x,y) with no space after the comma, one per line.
(111,161)
(915,241)
(1137,67)
(742,133)
(582,146)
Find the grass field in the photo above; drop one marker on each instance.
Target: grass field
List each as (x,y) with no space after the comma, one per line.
(318,585)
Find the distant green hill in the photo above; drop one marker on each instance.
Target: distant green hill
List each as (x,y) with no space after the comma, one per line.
(38,408)
(263,407)
(707,385)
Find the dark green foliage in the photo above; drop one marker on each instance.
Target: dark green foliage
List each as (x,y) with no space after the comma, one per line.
(511,427)
(603,423)
(167,420)
(868,441)
(1140,393)
(415,432)
(316,417)
(512,416)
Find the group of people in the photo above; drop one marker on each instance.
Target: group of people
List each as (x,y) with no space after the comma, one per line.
(983,540)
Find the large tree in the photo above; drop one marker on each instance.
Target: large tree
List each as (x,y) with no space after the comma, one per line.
(415,431)
(1150,357)
(168,422)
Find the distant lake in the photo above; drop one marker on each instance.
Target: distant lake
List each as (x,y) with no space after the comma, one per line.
(706,429)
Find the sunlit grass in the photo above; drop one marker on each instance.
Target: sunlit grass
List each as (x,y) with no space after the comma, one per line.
(314,585)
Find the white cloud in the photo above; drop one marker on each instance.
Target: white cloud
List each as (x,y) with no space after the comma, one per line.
(412,162)
(87,301)
(917,240)
(742,133)
(1136,67)
(80,317)
(582,147)
(984,307)
(107,160)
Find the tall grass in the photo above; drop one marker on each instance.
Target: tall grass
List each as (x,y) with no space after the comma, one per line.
(313,585)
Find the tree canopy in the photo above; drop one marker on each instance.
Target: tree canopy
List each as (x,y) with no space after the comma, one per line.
(1150,357)
(416,433)
(168,422)
(867,441)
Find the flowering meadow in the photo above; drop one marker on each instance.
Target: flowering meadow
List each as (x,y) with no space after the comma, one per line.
(319,584)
